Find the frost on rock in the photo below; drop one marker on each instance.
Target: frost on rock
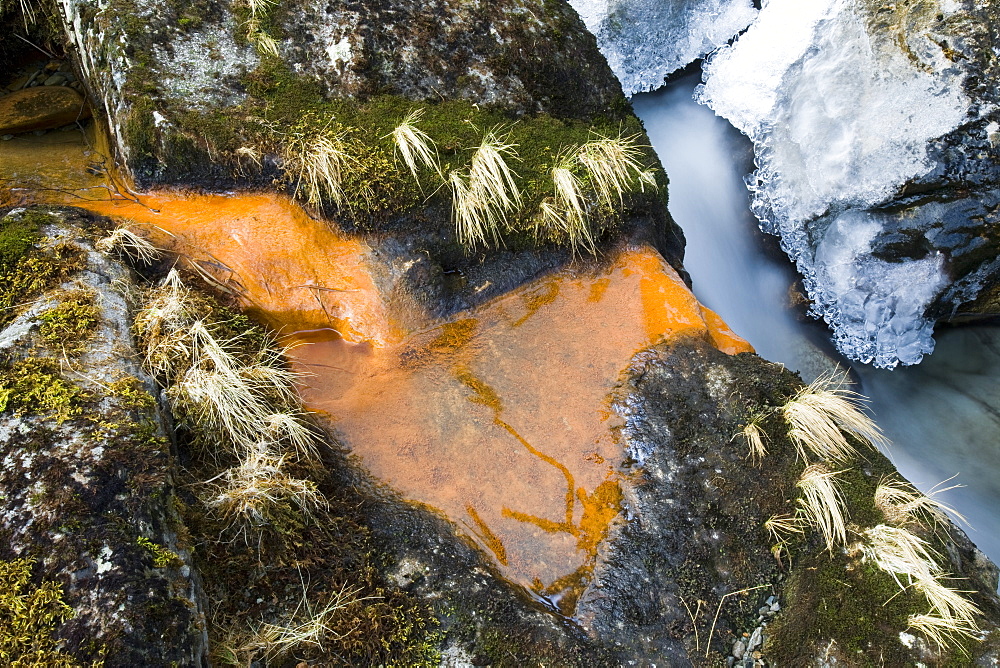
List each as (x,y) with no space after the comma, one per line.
(842,104)
(646,40)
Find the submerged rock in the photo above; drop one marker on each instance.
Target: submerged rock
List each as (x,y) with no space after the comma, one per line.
(875,130)
(86,468)
(41,108)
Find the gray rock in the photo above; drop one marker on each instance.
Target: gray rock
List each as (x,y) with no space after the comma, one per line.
(56,79)
(81,491)
(739,649)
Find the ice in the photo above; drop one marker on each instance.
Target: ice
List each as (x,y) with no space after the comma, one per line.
(841,119)
(876,308)
(645,40)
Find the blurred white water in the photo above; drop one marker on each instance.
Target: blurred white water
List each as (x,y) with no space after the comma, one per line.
(706,159)
(942,415)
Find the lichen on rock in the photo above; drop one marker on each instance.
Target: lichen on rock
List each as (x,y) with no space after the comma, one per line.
(86,469)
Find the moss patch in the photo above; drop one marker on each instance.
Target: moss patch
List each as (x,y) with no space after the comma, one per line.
(855,604)
(36,385)
(29,614)
(69,324)
(162,557)
(32,273)
(18,235)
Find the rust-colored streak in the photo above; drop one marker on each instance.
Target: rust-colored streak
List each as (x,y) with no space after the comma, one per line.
(487,537)
(504,410)
(293,270)
(498,418)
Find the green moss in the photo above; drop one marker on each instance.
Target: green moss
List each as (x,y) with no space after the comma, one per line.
(69,324)
(34,272)
(18,235)
(162,557)
(29,615)
(132,394)
(855,604)
(36,385)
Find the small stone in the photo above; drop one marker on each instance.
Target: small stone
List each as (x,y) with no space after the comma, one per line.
(755,639)
(760,618)
(739,649)
(730,661)
(7,137)
(775,607)
(771,600)
(763,610)
(56,79)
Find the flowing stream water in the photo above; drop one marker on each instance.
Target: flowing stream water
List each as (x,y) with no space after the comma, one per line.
(942,415)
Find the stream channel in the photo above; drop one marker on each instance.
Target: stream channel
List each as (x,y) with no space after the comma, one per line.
(943,415)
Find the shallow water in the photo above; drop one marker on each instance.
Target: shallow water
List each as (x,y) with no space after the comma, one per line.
(943,415)
(499,418)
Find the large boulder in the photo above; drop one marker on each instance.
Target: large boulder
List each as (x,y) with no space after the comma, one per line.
(86,467)
(875,130)
(218,96)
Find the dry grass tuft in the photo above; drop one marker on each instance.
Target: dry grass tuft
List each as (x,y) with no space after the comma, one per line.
(492,179)
(784,526)
(941,631)
(482,199)
(821,412)
(306,627)
(127,244)
(250,494)
(163,327)
(224,391)
(821,504)
(904,555)
(615,167)
(470,226)
(566,212)
(901,503)
(264,43)
(415,147)
(317,161)
(755,436)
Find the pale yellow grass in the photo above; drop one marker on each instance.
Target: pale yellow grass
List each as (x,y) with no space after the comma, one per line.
(414,146)
(615,167)
(907,557)
(821,413)
(317,161)
(901,503)
(125,243)
(822,504)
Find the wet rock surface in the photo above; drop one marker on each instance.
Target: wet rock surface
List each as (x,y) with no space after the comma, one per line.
(86,469)
(40,108)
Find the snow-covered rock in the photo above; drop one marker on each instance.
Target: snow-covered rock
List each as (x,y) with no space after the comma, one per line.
(863,115)
(646,40)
